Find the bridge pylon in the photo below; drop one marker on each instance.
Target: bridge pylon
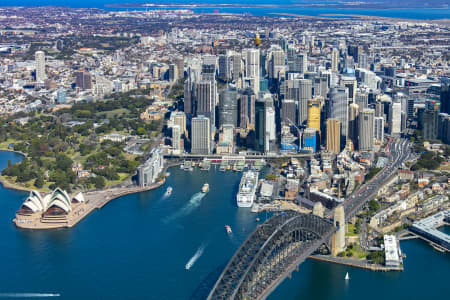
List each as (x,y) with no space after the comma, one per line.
(338,239)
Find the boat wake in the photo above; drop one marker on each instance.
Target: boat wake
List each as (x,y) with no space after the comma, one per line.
(28,295)
(196,256)
(193,203)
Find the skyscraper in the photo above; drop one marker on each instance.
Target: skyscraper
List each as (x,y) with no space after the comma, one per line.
(310,139)
(39,57)
(176,139)
(288,112)
(83,80)
(224,67)
(260,130)
(362,99)
(252,63)
(201,135)
(430,124)
(445,95)
(228,112)
(270,129)
(247,109)
(365,130)
(334,59)
(353,125)
(276,62)
(333,135)
(204,100)
(379,129)
(314,114)
(395,118)
(338,109)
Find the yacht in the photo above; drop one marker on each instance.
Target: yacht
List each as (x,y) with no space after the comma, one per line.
(247,189)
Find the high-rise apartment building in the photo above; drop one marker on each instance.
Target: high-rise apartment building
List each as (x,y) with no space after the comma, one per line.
(39,57)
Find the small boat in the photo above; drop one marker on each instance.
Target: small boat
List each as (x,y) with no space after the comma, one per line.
(228,229)
(168,191)
(205,188)
(167,174)
(346,276)
(257,219)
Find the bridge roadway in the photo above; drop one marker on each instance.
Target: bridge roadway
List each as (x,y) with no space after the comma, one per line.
(276,248)
(270,254)
(399,152)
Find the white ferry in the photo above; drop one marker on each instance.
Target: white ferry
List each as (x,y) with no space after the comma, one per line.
(247,189)
(168,191)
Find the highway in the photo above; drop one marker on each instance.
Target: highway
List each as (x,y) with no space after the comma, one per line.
(398,152)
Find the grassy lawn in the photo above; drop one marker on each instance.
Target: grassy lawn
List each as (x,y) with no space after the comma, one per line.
(351,230)
(112,113)
(5,144)
(355,251)
(122,176)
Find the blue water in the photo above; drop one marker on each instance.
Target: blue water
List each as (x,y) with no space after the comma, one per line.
(423,13)
(137,247)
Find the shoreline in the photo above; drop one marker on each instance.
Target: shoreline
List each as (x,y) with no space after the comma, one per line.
(361,264)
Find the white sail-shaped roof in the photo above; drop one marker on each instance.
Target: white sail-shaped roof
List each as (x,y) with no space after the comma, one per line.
(79,197)
(59,198)
(35,202)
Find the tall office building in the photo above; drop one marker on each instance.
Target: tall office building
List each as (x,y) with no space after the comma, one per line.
(225,67)
(353,113)
(288,112)
(314,114)
(173,72)
(276,62)
(395,118)
(378,130)
(179,118)
(252,63)
(260,131)
(338,109)
(270,129)
(445,95)
(228,108)
(176,139)
(247,109)
(299,90)
(430,124)
(201,135)
(39,57)
(351,84)
(333,135)
(365,130)
(334,59)
(362,99)
(179,62)
(204,100)
(379,109)
(236,71)
(61,96)
(83,80)
(300,63)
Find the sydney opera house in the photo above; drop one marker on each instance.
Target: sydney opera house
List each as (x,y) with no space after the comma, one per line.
(51,210)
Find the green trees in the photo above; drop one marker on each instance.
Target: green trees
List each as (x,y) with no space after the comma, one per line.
(428,161)
(39,182)
(374,206)
(376,257)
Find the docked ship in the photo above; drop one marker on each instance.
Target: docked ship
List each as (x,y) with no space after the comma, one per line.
(247,189)
(205,188)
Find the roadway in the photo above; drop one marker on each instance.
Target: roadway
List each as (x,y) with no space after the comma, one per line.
(398,152)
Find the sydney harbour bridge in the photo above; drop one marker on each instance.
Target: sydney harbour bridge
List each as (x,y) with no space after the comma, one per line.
(272,252)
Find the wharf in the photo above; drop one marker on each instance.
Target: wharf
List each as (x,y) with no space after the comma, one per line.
(356,263)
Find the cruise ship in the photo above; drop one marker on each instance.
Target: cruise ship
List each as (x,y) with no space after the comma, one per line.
(247,189)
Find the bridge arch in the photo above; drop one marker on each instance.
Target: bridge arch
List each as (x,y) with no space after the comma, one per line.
(270,253)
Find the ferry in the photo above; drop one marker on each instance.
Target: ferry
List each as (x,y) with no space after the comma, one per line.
(205,188)
(228,229)
(247,189)
(168,191)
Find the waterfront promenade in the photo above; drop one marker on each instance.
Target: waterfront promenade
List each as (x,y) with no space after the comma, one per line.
(356,263)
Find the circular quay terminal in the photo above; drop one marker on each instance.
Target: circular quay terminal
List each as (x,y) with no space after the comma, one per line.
(221,150)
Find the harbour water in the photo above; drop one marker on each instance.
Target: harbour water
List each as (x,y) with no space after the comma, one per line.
(148,246)
(423,13)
